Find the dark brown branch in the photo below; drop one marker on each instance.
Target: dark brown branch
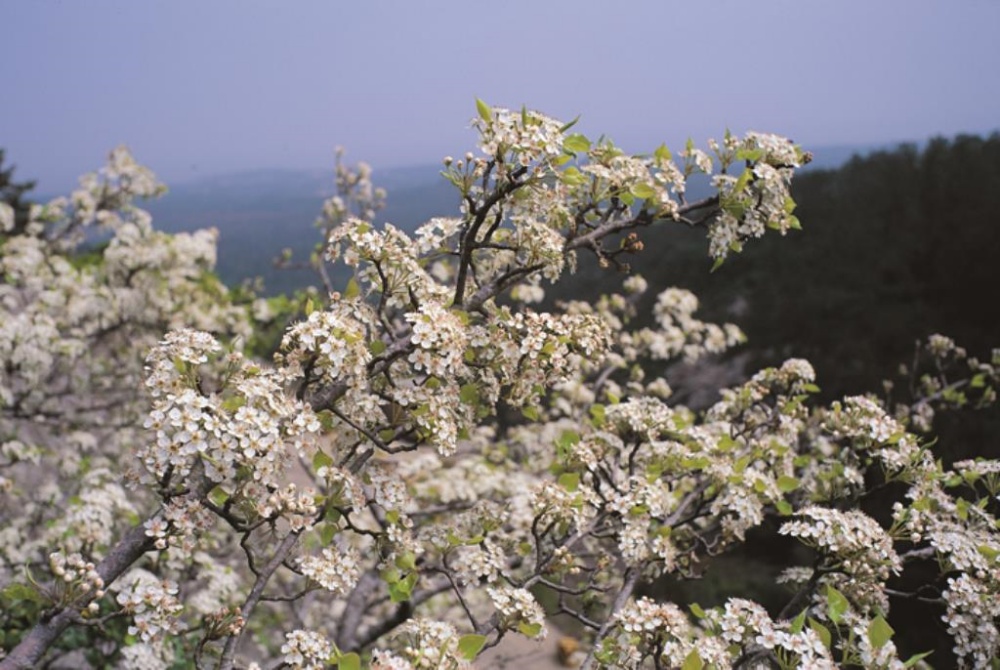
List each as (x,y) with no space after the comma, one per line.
(32,648)
(286,546)
(628,586)
(468,243)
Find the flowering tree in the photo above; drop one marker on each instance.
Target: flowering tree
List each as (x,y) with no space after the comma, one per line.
(368,497)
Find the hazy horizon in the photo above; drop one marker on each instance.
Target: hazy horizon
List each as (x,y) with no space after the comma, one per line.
(206,89)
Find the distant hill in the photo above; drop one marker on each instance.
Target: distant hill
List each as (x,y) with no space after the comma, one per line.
(261,212)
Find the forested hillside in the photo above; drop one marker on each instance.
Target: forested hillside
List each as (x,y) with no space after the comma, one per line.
(895,246)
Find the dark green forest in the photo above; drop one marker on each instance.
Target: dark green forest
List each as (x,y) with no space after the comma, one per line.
(895,245)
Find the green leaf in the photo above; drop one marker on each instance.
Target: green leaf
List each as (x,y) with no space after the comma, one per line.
(406,561)
(696,462)
(576,143)
(321,460)
(485,111)
(529,629)
(962,509)
(798,623)
(697,610)
(233,403)
(836,604)
(327,419)
(662,153)
(597,414)
(879,632)
(352,290)
(470,645)
(349,662)
(989,552)
(530,413)
(327,532)
(218,496)
(693,661)
(784,508)
(822,631)
(401,590)
(567,126)
(743,180)
(568,439)
(180,365)
(570,481)
(718,263)
(644,191)
(469,394)
(741,464)
(736,209)
(787,484)
(916,658)
(572,176)
(376,347)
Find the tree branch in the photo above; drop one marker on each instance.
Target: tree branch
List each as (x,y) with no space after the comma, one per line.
(32,648)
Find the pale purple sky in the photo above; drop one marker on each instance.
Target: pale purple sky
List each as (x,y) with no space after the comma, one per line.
(199,88)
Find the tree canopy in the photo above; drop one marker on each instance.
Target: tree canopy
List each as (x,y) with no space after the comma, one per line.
(430,463)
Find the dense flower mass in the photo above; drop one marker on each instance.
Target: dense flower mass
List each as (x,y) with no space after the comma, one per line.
(428,465)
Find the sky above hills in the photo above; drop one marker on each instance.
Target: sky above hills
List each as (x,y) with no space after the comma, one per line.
(200,88)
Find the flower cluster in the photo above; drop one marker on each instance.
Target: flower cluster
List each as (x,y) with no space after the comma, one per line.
(77,579)
(334,341)
(250,435)
(518,610)
(306,650)
(757,199)
(526,136)
(152,603)
(428,644)
(650,625)
(336,570)
(971,618)
(854,543)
